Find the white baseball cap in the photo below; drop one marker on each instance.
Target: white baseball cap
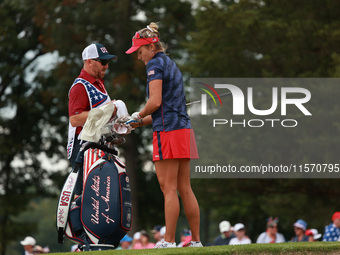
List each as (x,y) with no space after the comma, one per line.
(28,241)
(136,236)
(162,231)
(313,232)
(238,226)
(224,226)
(96,50)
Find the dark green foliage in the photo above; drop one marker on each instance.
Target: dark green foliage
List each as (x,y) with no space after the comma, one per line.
(225,39)
(34,112)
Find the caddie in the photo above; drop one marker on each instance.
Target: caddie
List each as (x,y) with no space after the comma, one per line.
(87,92)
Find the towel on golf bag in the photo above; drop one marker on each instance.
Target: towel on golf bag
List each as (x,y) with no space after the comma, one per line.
(103,213)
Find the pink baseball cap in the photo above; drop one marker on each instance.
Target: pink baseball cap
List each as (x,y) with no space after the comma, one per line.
(139,41)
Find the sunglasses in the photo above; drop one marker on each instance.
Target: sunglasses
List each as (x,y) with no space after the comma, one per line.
(104,62)
(138,35)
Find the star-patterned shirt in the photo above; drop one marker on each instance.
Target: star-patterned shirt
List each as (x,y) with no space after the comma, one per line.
(79,99)
(332,233)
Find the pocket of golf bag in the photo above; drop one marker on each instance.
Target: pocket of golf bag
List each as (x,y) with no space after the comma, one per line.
(74,229)
(105,212)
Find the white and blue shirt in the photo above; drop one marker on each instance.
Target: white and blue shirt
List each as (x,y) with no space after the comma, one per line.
(332,233)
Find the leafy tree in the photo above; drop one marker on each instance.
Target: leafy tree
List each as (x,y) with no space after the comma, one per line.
(265,39)
(33,104)
(28,120)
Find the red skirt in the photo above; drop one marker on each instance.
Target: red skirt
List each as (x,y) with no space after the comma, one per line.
(179,143)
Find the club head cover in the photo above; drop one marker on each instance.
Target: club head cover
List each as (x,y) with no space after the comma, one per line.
(90,130)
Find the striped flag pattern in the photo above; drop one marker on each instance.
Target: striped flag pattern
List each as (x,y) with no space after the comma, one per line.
(90,157)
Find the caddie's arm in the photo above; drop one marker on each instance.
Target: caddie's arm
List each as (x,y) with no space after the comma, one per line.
(79,119)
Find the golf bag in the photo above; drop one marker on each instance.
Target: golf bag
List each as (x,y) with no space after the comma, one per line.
(102,215)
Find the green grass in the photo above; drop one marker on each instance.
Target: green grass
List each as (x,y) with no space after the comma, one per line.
(316,248)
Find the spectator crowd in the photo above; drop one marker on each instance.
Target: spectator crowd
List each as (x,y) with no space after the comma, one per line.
(237,234)
(229,235)
(141,239)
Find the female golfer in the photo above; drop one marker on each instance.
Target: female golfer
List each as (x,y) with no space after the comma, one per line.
(172,149)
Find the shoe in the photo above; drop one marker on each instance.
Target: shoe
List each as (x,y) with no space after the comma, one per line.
(194,244)
(165,244)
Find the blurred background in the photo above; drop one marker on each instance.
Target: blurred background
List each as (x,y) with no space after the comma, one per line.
(40,56)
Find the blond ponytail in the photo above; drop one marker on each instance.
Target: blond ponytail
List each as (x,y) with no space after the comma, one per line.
(151,30)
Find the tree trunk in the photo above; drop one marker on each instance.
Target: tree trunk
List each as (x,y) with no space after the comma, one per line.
(132,166)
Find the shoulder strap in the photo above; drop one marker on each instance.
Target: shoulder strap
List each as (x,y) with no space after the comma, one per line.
(66,197)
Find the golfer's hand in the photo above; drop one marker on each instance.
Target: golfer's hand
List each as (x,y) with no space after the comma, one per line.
(134,118)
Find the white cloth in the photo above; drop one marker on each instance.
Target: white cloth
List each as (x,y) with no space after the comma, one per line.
(235,241)
(264,238)
(99,117)
(119,125)
(121,108)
